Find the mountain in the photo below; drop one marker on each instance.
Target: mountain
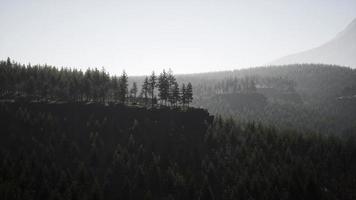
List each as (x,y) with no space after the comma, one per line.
(339,51)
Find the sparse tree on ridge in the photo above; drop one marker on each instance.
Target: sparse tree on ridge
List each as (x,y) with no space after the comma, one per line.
(175,94)
(114,88)
(183,95)
(133,92)
(189,93)
(8,62)
(145,90)
(171,82)
(123,91)
(152,82)
(171,78)
(163,87)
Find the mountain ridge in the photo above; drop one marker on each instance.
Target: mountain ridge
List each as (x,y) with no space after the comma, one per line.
(340,50)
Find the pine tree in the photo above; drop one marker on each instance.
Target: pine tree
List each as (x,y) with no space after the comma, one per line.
(152,82)
(175,97)
(123,87)
(163,86)
(133,92)
(171,82)
(189,93)
(171,78)
(114,88)
(145,90)
(8,61)
(183,95)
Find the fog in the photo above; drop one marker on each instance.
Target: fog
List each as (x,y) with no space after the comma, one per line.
(186,36)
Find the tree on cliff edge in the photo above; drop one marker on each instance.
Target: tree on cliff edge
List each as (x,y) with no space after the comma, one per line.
(152,82)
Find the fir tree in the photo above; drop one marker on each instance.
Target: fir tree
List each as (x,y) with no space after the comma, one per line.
(171,82)
(183,95)
(175,94)
(189,93)
(133,92)
(163,87)
(123,87)
(145,90)
(152,82)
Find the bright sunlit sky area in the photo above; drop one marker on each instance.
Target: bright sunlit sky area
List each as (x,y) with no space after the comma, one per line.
(188,36)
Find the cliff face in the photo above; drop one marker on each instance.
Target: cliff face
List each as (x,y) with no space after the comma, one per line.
(121,114)
(159,129)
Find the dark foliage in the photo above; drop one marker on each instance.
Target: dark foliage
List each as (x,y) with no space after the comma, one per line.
(68,134)
(93,151)
(46,83)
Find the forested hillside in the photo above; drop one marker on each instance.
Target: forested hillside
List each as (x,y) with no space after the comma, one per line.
(97,151)
(68,134)
(310,97)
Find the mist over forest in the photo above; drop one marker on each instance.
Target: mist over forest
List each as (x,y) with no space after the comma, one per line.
(161,112)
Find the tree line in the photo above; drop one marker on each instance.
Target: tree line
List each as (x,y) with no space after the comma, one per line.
(47,83)
(169,92)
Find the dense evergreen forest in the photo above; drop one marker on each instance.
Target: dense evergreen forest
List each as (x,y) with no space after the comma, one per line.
(47,83)
(97,151)
(68,134)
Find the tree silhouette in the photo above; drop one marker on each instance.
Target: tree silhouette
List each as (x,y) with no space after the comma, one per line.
(152,82)
(183,97)
(163,87)
(145,90)
(123,91)
(171,83)
(46,83)
(133,92)
(115,93)
(174,96)
(189,93)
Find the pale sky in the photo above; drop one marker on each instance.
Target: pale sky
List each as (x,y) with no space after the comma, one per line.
(187,36)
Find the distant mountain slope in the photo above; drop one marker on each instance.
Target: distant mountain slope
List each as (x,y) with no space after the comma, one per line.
(318,82)
(321,98)
(339,51)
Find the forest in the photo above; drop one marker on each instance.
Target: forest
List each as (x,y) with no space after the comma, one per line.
(93,151)
(68,134)
(306,97)
(47,83)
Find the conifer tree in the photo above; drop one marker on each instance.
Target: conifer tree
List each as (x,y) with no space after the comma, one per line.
(163,87)
(115,88)
(133,91)
(152,82)
(171,78)
(123,87)
(189,93)
(8,61)
(145,90)
(183,95)
(175,94)
(171,82)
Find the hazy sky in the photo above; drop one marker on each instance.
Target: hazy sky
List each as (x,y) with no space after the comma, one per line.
(185,35)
